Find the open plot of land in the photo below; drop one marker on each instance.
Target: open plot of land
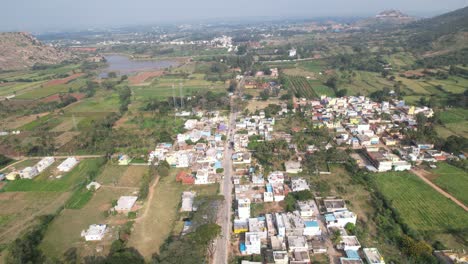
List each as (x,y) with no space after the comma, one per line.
(162,87)
(111,174)
(452,179)
(254,105)
(67,182)
(67,124)
(132,176)
(64,232)
(19,209)
(321,89)
(98,103)
(420,206)
(44,91)
(152,230)
(17,122)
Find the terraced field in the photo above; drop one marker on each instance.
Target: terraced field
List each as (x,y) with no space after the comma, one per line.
(420,206)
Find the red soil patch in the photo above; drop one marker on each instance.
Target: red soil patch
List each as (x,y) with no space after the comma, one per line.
(63,80)
(56,97)
(143,76)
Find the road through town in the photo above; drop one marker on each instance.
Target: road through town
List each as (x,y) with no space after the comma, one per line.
(221,253)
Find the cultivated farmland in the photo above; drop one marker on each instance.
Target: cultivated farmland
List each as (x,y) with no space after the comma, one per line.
(453,180)
(300,86)
(421,207)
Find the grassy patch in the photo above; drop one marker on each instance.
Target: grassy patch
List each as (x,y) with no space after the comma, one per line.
(42,92)
(420,206)
(79,199)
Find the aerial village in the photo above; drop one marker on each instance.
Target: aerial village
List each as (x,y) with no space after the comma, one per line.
(318,225)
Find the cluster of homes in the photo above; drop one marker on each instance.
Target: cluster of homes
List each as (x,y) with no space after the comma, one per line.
(199,150)
(31,172)
(375,127)
(291,237)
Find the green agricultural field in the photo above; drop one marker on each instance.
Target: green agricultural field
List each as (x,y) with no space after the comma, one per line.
(453,180)
(98,103)
(321,89)
(46,123)
(313,65)
(420,206)
(16,88)
(42,92)
(69,180)
(363,82)
(455,122)
(300,86)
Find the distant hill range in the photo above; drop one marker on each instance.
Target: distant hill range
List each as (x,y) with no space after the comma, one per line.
(19,50)
(442,34)
(385,19)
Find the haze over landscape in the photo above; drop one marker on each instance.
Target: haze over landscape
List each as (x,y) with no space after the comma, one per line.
(25,15)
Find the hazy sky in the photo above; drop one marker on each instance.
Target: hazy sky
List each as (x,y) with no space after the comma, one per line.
(33,15)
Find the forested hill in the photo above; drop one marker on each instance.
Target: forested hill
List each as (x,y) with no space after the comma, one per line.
(444,33)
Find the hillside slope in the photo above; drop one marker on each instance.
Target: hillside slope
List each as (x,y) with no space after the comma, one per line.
(441,34)
(20,50)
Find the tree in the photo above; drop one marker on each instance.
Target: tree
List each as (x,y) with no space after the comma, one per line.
(332,82)
(350,228)
(112,75)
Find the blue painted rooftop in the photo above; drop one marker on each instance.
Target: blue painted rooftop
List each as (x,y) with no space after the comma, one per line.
(311,223)
(352,254)
(330,218)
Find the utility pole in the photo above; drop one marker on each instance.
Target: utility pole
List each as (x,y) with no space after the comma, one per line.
(181,96)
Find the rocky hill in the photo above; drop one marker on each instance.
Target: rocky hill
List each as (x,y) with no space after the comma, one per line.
(19,50)
(386,19)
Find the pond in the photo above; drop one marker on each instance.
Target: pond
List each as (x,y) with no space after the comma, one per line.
(124,65)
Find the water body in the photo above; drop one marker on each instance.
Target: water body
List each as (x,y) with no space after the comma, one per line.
(124,65)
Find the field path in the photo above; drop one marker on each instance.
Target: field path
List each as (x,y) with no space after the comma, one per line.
(420,173)
(23,224)
(12,164)
(150,199)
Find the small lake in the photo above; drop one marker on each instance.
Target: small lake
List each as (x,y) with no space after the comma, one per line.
(124,65)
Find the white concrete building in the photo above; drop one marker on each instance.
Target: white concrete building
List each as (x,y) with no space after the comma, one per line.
(373,256)
(243,208)
(201,177)
(67,164)
(125,203)
(299,184)
(28,173)
(93,186)
(252,243)
(340,218)
(44,163)
(187,201)
(94,232)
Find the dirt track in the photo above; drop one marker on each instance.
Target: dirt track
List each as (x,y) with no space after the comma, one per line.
(420,173)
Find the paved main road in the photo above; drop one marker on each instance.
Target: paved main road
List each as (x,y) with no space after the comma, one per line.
(222,244)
